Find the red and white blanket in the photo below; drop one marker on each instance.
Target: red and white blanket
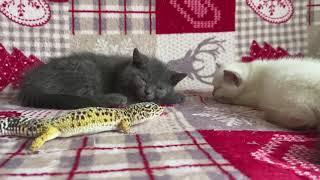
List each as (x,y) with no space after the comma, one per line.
(199,139)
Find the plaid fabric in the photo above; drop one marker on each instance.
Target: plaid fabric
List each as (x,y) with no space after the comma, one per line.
(314,27)
(314,12)
(112,17)
(45,41)
(167,156)
(290,35)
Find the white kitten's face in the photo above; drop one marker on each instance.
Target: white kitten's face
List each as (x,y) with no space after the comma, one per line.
(227,83)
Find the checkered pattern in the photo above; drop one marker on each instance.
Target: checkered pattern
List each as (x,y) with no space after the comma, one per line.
(112,17)
(291,35)
(45,41)
(314,26)
(314,12)
(169,156)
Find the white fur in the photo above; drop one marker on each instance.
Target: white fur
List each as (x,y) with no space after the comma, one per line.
(288,90)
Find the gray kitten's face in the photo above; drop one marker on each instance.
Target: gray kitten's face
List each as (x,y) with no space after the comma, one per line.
(149,79)
(148,88)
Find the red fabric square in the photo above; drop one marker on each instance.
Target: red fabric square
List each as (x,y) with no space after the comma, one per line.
(4,68)
(267,155)
(188,16)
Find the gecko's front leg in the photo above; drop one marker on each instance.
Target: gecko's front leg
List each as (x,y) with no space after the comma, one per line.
(125,126)
(48,134)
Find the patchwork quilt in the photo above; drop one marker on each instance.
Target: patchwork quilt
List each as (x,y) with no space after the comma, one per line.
(199,139)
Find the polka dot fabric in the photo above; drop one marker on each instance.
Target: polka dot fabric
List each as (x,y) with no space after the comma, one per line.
(13,66)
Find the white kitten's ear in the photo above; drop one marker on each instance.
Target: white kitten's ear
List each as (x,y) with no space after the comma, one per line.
(232,77)
(218,65)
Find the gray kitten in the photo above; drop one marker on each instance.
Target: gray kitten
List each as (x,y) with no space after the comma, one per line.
(86,79)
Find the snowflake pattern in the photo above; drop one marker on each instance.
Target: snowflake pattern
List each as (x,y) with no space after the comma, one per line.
(273,11)
(271,5)
(26,12)
(125,47)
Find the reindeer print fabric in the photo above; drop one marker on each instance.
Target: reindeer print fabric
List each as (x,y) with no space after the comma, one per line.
(196,55)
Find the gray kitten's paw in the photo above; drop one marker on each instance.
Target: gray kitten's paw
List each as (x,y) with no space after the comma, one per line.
(175,98)
(180,98)
(115,99)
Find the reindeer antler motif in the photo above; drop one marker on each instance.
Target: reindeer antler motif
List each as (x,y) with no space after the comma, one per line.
(186,64)
(213,52)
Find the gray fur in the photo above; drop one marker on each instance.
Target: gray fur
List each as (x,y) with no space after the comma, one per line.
(86,79)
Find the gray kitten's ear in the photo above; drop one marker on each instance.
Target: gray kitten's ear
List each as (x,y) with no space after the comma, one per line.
(232,77)
(177,77)
(218,65)
(136,53)
(138,58)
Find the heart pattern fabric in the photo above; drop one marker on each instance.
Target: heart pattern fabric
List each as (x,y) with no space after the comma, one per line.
(200,14)
(199,8)
(273,11)
(26,12)
(190,16)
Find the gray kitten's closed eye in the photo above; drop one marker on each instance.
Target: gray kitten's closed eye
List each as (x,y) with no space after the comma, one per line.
(140,82)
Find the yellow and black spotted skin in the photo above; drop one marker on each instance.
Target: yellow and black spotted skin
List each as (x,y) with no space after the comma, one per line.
(81,121)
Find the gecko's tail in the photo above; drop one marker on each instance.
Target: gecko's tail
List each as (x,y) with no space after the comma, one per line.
(6,123)
(3,124)
(18,126)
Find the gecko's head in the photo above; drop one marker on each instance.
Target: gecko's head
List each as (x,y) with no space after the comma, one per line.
(144,111)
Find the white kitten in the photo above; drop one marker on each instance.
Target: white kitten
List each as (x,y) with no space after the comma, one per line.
(288,90)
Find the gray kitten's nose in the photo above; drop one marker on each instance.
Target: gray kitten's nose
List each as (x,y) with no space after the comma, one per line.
(148,91)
